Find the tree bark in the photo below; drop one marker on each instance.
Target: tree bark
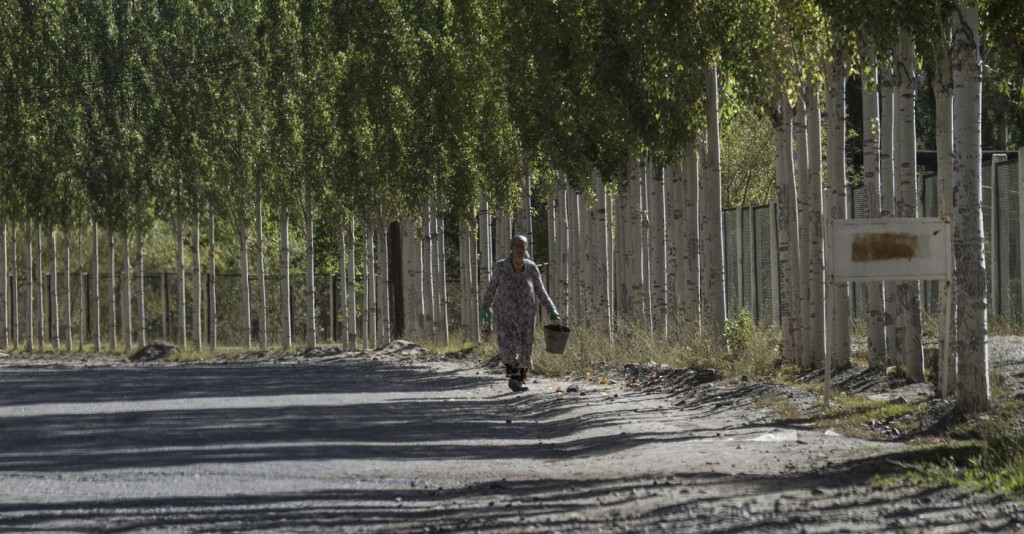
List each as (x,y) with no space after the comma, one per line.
(197,287)
(942,86)
(211,298)
(243,257)
(141,285)
(816,261)
(839,295)
(691,238)
(887,195)
(261,273)
(789,254)
(179,229)
(4,295)
(30,259)
(869,96)
(974,393)
(310,275)
(429,326)
(599,262)
(908,293)
(286,290)
(711,214)
(96,283)
(442,277)
(803,276)
(351,325)
(112,287)
(126,293)
(68,343)
(658,248)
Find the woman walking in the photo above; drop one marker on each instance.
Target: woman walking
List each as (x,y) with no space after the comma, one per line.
(514,290)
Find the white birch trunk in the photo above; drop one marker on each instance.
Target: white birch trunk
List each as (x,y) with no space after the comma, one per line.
(126,292)
(437,257)
(839,294)
(411,273)
(96,281)
(112,287)
(343,261)
(887,174)
(869,96)
(816,267)
(4,295)
(711,211)
(211,298)
(182,322)
(68,342)
(197,286)
(310,278)
(286,289)
(659,264)
(908,293)
(369,290)
(243,258)
(789,255)
(973,383)
(351,321)
(942,86)
(82,292)
(691,238)
(15,318)
(803,232)
(382,291)
(428,274)
(31,275)
(632,265)
(673,252)
(261,274)
(576,262)
(564,253)
(599,264)
(442,280)
(41,286)
(485,244)
(141,285)
(645,243)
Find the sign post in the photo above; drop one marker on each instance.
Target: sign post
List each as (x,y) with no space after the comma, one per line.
(902,249)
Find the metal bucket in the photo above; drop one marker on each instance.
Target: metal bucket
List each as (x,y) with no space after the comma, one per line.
(555,338)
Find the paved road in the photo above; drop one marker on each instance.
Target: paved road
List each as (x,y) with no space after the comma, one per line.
(361,444)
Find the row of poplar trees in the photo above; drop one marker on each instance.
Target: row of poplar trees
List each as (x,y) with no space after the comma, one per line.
(115,115)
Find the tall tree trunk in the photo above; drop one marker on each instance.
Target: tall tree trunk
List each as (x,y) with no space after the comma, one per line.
(691,237)
(54,315)
(126,293)
(369,288)
(942,86)
(803,277)
(659,264)
(286,290)
(310,275)
(4,295)
(68,343)
(632,285)
(600,260)
(887,199)
(351,325)
(869,96)
(908,293)
(575,256)
(211,298)
(261,273)
(82,292)
(839,295)
(789,253)
(383,272)
(486,252)
(179,229)
(673,251)
(141,300)
(816,261)
(30,259)
(96,303)
(243,256)
(15,319)
(197,286)
(112,251)
(428,274)
(442,278)
(42,285)
(711,211)
(974,392)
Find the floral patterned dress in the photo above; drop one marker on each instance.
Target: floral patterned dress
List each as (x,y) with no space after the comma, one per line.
(515,295)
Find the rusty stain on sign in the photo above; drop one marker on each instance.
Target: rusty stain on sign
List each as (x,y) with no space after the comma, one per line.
(884,246)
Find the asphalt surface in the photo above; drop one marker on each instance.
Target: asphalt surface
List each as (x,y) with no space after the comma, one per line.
(385,444)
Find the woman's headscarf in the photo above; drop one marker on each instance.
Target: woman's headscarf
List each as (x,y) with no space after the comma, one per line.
(526,245)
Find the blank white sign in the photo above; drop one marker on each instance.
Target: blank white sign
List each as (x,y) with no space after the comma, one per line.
(890,249)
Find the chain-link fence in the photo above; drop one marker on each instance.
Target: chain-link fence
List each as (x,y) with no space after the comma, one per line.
(751,258)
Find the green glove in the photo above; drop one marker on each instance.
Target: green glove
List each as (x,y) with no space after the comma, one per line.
(485,317)
(553,314)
